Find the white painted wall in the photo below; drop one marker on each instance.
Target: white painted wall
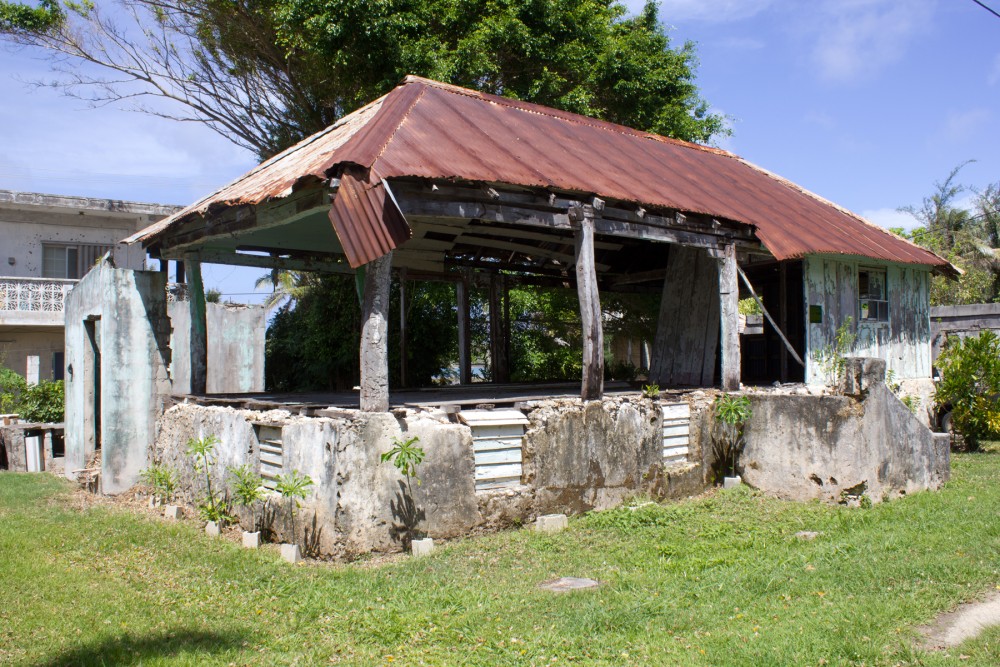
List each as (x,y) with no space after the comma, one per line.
(904,341)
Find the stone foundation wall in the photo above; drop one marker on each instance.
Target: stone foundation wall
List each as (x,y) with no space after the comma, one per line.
(577,456)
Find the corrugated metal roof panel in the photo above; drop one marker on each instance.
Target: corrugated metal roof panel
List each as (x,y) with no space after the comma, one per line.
(365,218)
(433,130)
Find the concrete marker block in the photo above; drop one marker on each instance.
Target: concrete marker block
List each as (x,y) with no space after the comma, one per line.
(551,523)
(172,512)
(251,540)
(731,482)
(212,528)
(424,547)
(291,553)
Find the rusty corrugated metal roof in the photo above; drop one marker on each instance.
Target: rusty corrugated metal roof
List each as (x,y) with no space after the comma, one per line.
(432,130)
(365,217)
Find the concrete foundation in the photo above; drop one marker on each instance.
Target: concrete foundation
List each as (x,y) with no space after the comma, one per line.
(576,456)
(840,448)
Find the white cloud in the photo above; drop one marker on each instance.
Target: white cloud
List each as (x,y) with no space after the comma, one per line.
(994,76)
(716,11)
(890,217)
(963,126)
(854,39)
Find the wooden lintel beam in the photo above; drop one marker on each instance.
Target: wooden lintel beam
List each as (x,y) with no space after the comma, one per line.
(336,264)
(275,213)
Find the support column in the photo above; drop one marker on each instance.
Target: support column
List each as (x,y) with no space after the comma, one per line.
(374,335)
(729,329)
(783,317)
(402,327)
(498,339)
(464,332)
(198,344)
(590,307)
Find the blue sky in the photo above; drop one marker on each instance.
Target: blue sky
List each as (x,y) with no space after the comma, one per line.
(865,102)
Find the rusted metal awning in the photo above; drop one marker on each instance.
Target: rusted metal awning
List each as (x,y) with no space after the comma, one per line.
(431,130)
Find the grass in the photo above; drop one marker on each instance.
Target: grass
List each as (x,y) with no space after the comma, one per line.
(718,580)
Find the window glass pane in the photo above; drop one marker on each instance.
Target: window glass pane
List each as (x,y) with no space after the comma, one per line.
(53,261)
(72,263)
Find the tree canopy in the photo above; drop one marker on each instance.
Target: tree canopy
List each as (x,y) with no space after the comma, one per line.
(265,73)
(967,236)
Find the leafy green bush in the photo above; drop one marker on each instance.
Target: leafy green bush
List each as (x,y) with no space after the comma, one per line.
(732,411)
(970,384)
(43,402)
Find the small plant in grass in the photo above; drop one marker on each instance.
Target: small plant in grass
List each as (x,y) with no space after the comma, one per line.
(162,479)
(732,411)
(293,488)
(248,490)
(832,359)
(202,450)
(651,391)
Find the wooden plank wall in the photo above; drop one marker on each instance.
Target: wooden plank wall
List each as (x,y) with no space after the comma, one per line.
(687,332)
(904,341)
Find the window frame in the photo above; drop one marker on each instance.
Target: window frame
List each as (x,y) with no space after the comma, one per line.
(869,303)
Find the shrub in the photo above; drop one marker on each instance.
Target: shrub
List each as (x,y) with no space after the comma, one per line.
(970,384)
(732,411)
(43,402)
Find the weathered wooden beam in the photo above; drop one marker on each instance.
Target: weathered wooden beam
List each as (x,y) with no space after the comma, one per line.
(275,213)
(590,308)
(464,332)
(331,264)
(498,342)
(402,327)
(374,335)
(198,341)
(783,316)
(729,318)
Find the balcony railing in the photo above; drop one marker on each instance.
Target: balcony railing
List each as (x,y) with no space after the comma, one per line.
(34,295)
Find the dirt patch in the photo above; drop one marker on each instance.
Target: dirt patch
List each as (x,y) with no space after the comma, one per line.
(954,627)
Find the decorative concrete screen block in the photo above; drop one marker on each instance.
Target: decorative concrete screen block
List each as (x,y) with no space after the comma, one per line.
(676,432)
(496,440)
(272,453)
(424,547)
(551,523)
(291,553)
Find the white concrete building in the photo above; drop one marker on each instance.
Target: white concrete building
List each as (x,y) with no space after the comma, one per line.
(47,243)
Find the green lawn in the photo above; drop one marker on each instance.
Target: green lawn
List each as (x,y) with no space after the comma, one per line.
(718,580)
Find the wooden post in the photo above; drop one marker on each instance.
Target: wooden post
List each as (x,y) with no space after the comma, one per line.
(464,332)
(198,344)
(498,346)
(729,329)
(402,327)
(783,316)
(590,307)
(374,335)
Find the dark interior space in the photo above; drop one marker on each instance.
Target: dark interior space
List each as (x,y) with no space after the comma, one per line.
(765,359)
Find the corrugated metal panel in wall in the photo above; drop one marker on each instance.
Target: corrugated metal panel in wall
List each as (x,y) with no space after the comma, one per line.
(676,432)
(497,436)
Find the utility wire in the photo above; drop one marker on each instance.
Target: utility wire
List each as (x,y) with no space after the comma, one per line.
(987,8)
